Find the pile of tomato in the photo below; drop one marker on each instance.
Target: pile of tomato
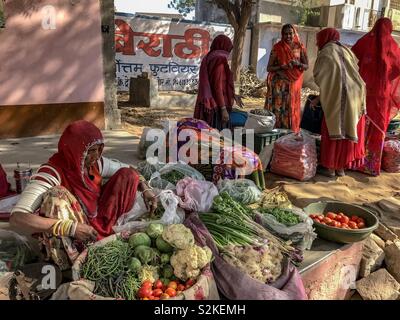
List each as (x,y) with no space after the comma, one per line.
(339,220)
(159,291)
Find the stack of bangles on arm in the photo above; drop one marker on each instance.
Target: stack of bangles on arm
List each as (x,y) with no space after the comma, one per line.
(65,228)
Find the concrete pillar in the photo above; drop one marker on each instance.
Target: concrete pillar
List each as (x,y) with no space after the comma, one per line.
(112,114)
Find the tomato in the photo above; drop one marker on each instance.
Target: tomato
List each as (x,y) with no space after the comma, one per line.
(173,285)
(171,292)
(157,292)
(360,220)
(332,224)
(145,292)
(354,218)
(345,220)
(352,225)
(338,224)
(164,296)
(345,226)
(147,284)
(151,298)
(189,283)
(331,215)
(327,220)
(158,284)
(341,214)
(322,222)
(180,287)
(145,298)
(361,225)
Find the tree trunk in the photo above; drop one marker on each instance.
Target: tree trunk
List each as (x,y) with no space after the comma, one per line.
(238,44)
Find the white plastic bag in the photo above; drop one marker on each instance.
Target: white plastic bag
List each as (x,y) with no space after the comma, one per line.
(157,180)
(172,214)
(266,155)
(196,195)
(302,234)
(149,167)
(259,123)
(242,190)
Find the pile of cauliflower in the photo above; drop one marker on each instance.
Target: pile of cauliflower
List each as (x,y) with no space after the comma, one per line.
(189,258)
(262,263)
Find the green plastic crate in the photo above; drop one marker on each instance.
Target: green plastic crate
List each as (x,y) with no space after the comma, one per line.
(263,139)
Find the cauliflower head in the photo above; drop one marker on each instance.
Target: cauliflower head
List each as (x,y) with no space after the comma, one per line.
(178,236)
(187,263)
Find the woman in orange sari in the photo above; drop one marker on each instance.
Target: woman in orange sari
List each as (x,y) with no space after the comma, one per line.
(287,63)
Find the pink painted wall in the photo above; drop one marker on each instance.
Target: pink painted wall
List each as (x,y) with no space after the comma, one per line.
(39,66)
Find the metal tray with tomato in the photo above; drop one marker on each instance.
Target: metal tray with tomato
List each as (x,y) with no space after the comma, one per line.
(341,222)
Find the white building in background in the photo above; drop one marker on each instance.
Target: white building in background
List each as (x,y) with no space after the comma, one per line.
(349,14)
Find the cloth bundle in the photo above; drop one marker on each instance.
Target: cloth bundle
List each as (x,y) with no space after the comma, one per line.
(295,156)
(391,156)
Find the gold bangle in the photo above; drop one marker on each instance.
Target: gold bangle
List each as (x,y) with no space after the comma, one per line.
(55,226)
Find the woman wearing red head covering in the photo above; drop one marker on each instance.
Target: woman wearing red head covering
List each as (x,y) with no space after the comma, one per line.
(287,63)
(216,93)
(67,201)
(342,97)
(379,62)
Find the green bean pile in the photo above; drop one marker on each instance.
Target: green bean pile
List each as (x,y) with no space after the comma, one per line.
(124,286)
(107,261)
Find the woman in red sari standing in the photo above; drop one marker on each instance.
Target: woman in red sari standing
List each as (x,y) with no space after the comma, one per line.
(379,63)
(216,94)
(287,63)
(342,97)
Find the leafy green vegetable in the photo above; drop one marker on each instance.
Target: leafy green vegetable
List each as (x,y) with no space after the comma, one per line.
(284,216)
(173,176)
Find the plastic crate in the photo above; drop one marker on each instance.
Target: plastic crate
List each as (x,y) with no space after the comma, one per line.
(263,139)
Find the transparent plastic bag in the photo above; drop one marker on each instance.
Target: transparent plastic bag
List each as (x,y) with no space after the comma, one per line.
(159,179)
(301,235)
(260,123)
(15,251)
(172,214)
(391,156)
(242,190)
(196,195)
(149,167)
(295,156)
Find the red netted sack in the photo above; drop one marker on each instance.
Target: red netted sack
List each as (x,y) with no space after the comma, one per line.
(391,156)
(295,156)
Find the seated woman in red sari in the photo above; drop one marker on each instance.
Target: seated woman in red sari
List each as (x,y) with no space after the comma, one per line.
(379,62)
(342,97)
(216,93)
(287,63)
(67,202)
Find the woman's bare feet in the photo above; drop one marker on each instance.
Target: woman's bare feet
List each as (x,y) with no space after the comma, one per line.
(340,173)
